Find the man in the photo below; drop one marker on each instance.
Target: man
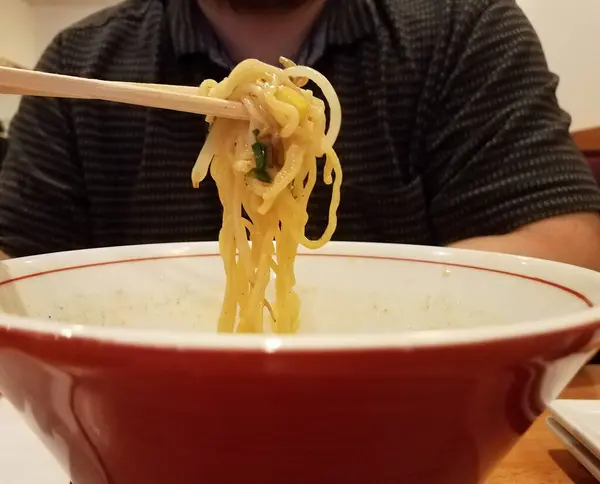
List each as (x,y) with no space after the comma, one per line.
(452,134)
(4,62)
(3,142)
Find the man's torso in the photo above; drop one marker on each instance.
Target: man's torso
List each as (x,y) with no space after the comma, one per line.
(137,161)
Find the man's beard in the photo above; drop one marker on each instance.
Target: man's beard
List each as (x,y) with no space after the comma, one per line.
(263,6)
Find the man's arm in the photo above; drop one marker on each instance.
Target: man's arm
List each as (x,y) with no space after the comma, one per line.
(573,239)
(43,200)
(503,173)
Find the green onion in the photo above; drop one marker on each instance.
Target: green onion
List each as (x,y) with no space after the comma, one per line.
(261,175)
(260,157)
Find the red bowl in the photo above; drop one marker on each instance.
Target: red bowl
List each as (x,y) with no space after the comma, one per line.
(416,365)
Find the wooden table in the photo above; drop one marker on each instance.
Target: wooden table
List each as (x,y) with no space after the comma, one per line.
(539,458)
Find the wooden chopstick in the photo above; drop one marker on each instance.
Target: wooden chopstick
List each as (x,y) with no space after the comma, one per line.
(177,98)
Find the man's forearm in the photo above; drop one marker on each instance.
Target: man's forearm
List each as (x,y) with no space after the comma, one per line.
(573,239)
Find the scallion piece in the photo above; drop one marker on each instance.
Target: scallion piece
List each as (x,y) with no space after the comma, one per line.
(260,157)
(261,175)
(260,154)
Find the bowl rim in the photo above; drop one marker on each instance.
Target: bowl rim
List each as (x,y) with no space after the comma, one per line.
(269,343)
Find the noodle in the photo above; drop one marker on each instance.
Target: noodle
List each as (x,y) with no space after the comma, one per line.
(265,171)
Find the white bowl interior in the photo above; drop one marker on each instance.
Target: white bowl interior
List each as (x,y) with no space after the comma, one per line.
(346,288)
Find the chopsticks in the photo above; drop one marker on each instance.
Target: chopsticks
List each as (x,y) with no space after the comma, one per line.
(176,98)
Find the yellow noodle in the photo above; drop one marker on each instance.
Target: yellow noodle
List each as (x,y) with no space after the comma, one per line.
(288,123)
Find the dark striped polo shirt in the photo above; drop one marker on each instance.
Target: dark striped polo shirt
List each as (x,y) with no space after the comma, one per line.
(451,129)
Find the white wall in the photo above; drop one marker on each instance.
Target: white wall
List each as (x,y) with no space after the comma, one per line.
(570,33)
(17,43)
(26,28)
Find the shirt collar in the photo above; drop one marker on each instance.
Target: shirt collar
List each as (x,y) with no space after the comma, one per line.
(191,32)
(342,22)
